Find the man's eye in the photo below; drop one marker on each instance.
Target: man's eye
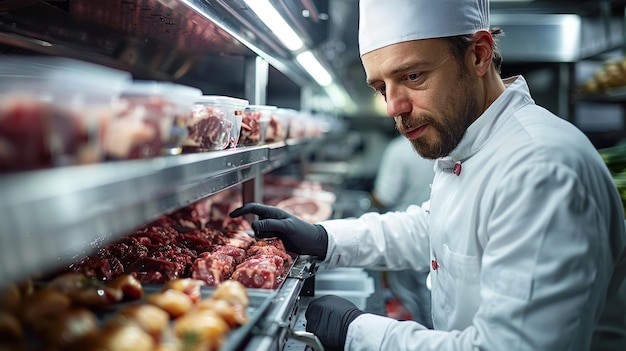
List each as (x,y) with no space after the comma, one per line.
(413,76)
(381,90)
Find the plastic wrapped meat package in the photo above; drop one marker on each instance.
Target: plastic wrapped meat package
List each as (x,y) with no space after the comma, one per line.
(214,123)
(278,125)
(297,126)
(254,124)
(52,111)
(151,119)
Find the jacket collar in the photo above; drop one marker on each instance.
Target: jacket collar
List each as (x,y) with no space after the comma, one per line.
(480,131)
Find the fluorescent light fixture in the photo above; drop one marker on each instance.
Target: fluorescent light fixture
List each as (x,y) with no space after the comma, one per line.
(276,23)
(570,35)
(308,61)
(337,94)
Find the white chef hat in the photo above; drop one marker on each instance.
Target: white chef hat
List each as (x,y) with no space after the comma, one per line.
(386,22)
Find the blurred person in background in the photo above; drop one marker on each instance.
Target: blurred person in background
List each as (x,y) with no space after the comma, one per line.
(524,230)
(404,179)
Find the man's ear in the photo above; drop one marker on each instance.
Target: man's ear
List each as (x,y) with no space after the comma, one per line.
(482,52)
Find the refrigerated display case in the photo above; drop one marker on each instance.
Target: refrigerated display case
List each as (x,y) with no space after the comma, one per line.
(50,217)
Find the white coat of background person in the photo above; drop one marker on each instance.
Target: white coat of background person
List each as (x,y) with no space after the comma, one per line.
(404,179)
(524,231)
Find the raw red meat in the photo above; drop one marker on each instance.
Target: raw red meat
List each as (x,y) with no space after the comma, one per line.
(36,135)
(238,254)
(260,271)
(156,271)
(239,239)
(140,128)
(207,130)
(164,250)
(269,250)
(250,128)
(276,130)
(213,268)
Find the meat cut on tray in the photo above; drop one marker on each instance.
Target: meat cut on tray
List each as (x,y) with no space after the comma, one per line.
(196,242)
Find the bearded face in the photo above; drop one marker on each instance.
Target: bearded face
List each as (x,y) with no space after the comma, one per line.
(434,94)
(448,126)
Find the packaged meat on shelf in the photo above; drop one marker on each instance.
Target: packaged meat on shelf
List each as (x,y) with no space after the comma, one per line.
(64,112)
(215,123)
(277,127)
(53,110)
(254,125)
(151,120)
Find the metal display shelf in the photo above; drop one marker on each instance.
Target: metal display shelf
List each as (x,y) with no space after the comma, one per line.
(616,94)
(283,153)
(52,216)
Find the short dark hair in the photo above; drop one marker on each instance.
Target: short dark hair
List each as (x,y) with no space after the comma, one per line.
(461,43)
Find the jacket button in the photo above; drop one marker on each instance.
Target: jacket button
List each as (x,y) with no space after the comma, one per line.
(434,264)
(457,168)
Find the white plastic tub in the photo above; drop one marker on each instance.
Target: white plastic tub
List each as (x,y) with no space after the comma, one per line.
(353,284)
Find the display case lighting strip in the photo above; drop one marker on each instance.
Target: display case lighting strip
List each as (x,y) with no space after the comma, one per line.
(276,23)
(308,61)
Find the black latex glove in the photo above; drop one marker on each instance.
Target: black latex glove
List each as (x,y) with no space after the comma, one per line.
(299,236)
(328,318)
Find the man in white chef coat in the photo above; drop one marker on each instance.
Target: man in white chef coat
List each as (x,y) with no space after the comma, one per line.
(524,232)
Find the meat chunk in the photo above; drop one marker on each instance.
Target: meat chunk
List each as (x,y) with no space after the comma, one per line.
(237,253)
(269,250)
(261,271)
(213,268)
(251,128)
(208,129)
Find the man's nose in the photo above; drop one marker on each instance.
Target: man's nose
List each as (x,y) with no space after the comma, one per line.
(398,103)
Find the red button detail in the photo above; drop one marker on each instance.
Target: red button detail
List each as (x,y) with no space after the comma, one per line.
(434,264)
(457,168)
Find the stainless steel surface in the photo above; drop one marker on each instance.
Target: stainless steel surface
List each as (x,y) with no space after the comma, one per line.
(539,37)
(307,338)
(272,332)
(52,216)
(202,43)
(304,268)
(283,153)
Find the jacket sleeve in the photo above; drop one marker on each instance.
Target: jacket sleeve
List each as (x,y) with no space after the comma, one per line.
(390,241)
(543,280)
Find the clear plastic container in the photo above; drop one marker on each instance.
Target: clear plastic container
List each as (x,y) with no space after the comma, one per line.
(151,120)
(52,111)
(297,126)
(238,107)
(277,126)
(213,123)
(310,125)
(254,124)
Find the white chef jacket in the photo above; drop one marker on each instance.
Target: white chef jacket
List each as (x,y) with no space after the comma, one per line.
(404,177)
(525,245)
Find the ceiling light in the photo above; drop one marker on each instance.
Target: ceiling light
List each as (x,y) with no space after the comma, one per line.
(275,22)
(310,64)
(337,95)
